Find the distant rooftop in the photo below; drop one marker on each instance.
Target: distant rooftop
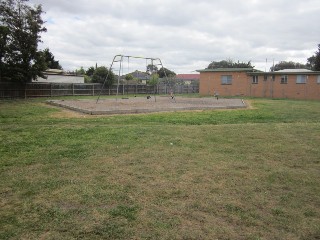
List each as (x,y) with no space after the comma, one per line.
(293,70)
(188,76)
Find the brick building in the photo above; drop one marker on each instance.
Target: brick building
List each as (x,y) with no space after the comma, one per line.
(288,83)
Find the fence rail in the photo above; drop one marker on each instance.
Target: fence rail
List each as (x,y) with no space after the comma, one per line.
(8,90)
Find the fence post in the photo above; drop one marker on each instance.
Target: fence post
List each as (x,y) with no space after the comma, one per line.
(93,90)
(50,89)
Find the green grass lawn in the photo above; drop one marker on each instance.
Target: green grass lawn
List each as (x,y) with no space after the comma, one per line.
(226,174)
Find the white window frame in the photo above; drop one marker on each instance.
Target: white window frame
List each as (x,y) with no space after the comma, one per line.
(226,79)
(255,79)
(284,79)
(318,79)
(301,79)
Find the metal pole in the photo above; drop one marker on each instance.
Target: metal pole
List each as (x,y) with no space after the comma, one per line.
(119,77)
(165,74)
(107,77)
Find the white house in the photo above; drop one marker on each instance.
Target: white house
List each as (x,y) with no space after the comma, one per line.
(59,76)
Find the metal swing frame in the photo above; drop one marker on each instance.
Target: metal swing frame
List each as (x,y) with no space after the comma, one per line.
(122,57)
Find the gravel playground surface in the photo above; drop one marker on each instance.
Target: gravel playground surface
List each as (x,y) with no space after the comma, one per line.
(144,105)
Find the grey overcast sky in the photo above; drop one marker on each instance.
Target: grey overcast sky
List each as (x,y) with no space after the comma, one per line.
(186,34)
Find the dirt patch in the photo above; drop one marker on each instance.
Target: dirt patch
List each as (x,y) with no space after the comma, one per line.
(144,105)
(249,104)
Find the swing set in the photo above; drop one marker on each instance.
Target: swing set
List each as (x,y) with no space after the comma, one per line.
(120,60)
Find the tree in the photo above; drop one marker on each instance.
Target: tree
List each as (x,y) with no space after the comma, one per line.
(22,61)
(129,77)
(3,42)
(163,72)
(311,62)
(287,65)
(317,60)
(153,81)
(80,71)
(101,74)
(152,68)
(90,71)
(49,58)
(229,63)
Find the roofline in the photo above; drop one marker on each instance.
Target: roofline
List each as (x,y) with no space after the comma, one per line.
(285,73)
(252,71)
(228,70)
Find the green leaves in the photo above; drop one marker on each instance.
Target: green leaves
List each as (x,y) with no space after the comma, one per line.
(229,63)
(101,74)
(20,58)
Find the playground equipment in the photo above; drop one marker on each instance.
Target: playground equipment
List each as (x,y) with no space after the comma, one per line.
(120,59)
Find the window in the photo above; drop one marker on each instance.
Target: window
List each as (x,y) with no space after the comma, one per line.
(254,79)
(318,79)
(301,79)
(284,79)
(226,79)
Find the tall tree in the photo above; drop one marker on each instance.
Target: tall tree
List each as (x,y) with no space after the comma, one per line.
(90,71)
(317,60)
(22,61)
(151,68)
(3,42)
(310,62)
(50,61)
(163,72)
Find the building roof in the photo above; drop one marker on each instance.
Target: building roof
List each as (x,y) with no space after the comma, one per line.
(140,75)
(294,70)
(228,70)
(50,71)
(288,72)
(188,76)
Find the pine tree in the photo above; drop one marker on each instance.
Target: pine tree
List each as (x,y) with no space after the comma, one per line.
(50,61)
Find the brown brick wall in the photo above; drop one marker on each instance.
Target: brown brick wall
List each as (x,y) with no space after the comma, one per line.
(308,90)
(210,82)
(242,85)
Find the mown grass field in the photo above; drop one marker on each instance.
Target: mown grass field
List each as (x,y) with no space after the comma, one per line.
(227,174)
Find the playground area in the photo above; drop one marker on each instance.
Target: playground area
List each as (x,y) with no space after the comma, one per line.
(136,105)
